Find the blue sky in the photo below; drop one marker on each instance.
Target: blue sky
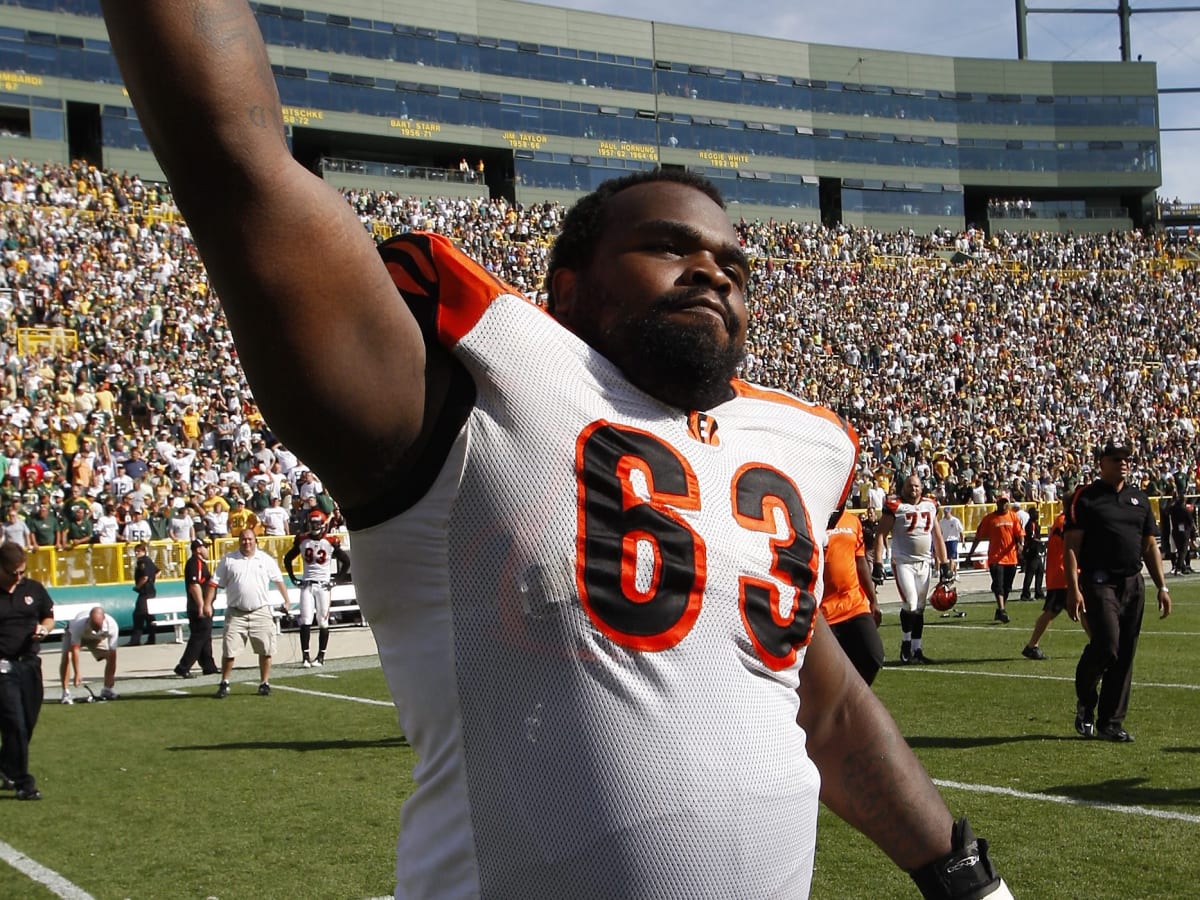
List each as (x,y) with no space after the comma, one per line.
(985,28)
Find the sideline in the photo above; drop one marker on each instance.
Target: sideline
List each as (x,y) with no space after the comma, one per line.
(48,878)
(1071,801)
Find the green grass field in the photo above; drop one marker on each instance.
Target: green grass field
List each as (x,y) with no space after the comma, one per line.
(173,795)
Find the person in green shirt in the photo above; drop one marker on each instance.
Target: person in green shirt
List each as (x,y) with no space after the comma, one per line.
(80,529)
(43,523)
(158,520)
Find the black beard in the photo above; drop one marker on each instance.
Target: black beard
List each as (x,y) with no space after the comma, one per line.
(685,367)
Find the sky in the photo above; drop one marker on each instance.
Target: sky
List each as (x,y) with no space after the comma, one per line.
(980,28)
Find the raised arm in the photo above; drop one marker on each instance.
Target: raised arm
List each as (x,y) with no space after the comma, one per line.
(317,321)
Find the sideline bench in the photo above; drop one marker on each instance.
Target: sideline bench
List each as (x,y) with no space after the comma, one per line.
(170,610)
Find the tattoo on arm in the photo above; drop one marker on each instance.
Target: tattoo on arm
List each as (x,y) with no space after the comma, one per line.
(232,37)
(868,785)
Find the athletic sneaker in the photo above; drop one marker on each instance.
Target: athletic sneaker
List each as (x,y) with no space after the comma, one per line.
(1034,653)
(222,690)
(306,664)
(109,694)
(264,690)
(1001,616)
(1085,723)
(905,652)
(1115,733)
(66,699)
(320,660)
(919,657)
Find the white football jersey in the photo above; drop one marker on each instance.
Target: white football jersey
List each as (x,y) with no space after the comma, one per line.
(912,532)
(317,554)
(593,622)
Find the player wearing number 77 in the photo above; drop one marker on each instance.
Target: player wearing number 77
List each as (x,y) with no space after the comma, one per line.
(589,554)
(911,520)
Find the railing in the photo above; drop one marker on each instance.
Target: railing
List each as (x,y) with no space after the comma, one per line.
(104,564)
(1052,210)
(395,170)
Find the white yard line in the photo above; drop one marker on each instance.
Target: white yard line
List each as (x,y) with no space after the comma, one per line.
(48,878)
(296,690)
(990,626)
(942,670)
(976,788)
(1070,801)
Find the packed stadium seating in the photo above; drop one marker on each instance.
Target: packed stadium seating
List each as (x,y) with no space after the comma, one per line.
(985,362)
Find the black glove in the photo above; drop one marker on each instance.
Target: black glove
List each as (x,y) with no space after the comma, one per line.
(965,873)
(947,573)
(877,573)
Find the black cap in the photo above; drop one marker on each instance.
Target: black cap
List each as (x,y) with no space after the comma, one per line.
(1117,450)
(197,544)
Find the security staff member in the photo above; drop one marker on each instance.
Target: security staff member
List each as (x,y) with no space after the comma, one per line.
(1109,530)
(26,616)
(196,577)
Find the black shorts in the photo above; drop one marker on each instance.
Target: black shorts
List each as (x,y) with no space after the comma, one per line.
(860,640)
(1056,601)
(1002,579)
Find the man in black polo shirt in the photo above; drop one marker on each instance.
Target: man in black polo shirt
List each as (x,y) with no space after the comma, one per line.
(196,577)
(1110,530)
(26,616)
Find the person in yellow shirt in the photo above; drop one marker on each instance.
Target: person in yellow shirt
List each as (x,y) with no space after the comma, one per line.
(213,500)
(105,399)
(242,518)
(191,427)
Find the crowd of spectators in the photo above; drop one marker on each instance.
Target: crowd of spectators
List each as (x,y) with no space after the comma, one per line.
(985,363)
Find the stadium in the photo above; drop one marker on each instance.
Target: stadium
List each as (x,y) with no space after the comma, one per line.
(957,255)
(490,99)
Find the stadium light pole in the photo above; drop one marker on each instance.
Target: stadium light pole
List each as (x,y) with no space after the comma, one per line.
(1124,13)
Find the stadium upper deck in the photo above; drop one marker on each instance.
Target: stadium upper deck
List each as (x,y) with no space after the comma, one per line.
(542,103)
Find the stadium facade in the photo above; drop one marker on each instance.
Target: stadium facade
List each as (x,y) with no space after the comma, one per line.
(534,103)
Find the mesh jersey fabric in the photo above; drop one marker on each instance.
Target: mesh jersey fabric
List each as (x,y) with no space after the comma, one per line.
(912,532)
(593,622)
(317,556)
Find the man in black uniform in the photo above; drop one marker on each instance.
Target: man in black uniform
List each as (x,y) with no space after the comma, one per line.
(1109,531)
(145,573)
(196,576)
(26,616)
(1032,558)
(1181,531)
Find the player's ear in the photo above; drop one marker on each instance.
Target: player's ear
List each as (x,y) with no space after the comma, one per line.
(563,285)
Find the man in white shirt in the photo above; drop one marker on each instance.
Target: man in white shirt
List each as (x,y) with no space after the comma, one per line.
(274,518)
(952,534)
(97,631)
(137,529)
(247,576)
(108,526)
